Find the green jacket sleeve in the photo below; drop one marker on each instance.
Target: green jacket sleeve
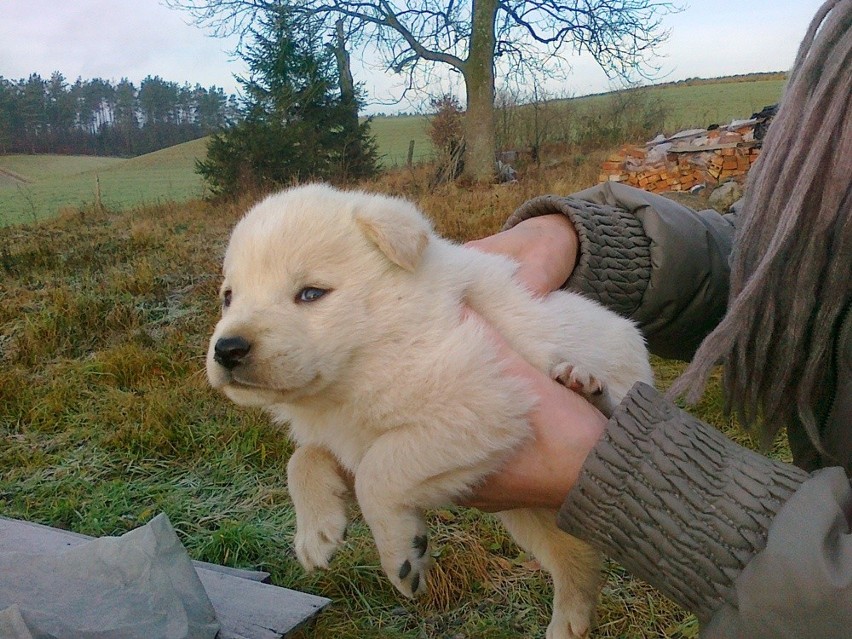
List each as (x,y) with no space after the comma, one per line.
(648,258)
(754,547)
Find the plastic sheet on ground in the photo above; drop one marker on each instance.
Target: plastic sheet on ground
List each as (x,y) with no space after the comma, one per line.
(137,586)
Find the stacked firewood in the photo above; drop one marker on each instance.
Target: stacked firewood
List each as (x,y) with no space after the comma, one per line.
(690,160)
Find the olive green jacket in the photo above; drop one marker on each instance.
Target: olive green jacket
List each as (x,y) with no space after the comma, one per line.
(754,547)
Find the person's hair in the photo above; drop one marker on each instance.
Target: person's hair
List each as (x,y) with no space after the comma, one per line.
(791,272)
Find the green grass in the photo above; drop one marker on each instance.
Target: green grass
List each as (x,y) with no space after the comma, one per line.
(700,105)
(685,106)
(394,134)
(41,167)
(49,183)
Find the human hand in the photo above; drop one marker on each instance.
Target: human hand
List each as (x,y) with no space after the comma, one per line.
(545,247)
(565,427)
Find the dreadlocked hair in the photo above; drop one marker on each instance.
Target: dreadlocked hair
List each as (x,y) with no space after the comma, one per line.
(791,272)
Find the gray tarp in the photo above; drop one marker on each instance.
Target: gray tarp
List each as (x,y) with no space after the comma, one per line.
(141,585)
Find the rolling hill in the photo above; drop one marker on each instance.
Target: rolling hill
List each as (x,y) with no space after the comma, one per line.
(34,187)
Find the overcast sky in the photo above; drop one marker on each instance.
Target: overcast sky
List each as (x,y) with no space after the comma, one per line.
(112,39)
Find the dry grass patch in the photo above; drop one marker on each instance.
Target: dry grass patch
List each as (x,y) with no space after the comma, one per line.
(465,212)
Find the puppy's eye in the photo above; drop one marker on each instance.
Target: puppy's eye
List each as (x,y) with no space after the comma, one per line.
(310,294)
(226,298)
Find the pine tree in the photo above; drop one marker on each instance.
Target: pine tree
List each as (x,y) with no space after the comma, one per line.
(295,125)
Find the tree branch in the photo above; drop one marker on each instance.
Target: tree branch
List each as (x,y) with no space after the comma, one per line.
(414,43)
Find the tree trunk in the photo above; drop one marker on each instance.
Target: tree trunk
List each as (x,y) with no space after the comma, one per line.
(479,128)
(344,72)
(352,151)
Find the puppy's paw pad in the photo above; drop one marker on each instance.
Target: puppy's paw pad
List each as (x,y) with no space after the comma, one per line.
(420,544)
(411,576)
(577,379)
(414,578)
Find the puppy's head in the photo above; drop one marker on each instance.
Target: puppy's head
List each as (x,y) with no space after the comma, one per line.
(305,274)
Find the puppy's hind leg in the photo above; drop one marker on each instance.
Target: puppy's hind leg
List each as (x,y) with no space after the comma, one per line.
(574,566)
(319,493)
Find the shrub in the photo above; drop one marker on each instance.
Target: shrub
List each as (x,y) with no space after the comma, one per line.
(633,115)
(446,133)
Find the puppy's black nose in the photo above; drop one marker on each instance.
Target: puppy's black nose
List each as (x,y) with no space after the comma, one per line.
(229,352)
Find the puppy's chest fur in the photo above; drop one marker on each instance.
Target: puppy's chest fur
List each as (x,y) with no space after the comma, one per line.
(433,376)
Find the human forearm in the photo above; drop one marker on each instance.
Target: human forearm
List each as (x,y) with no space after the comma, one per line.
(676,502)
(613,264)
(545,248)
(647,258)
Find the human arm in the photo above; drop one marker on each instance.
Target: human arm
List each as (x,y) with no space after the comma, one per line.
(754,547)
(546,248)
(715,527)
(642,255)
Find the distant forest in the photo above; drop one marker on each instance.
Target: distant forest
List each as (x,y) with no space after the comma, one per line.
(95,117)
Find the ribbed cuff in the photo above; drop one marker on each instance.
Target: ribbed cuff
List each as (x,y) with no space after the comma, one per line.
(614,264)
(676,502)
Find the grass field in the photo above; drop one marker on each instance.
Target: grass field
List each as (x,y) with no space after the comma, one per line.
(38,187)
(394,134)
(46,184)
(700,105)
(685,106)
(106,419)
(703,105)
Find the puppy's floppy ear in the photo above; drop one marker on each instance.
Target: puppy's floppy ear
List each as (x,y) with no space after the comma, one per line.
(396,227)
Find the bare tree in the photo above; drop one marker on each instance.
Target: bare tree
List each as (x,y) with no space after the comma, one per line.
(471,36)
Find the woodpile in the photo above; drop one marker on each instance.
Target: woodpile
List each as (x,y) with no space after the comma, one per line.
(690,160)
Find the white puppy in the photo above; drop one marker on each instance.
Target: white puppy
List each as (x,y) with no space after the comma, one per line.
(342,319)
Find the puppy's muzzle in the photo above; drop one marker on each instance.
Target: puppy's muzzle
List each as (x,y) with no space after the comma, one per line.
(229,352)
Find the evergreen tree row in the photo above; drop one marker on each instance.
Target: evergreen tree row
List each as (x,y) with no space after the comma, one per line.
(96,117)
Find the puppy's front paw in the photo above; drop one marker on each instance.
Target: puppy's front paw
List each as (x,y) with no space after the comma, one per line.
(566,633)
(316,542)
(574,624)
(577,379)
(408,565)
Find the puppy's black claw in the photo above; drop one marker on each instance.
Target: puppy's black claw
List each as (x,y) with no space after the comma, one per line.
(404,569)
(420,544)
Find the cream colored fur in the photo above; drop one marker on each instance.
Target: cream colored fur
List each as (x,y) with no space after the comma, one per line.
(381,376)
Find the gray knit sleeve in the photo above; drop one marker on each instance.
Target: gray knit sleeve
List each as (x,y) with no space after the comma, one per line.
(614,265)
(649,258)
(676,502)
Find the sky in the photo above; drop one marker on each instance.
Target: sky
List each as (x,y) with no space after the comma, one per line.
(115,39)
